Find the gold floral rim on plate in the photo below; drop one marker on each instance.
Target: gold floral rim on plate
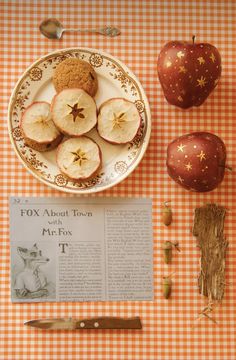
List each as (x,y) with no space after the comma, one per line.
(115,80)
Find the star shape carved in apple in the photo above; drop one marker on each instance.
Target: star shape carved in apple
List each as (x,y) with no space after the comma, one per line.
(118,119)
(76,111)
(79,156)
(44,120)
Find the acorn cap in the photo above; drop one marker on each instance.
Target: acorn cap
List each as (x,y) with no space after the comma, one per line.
(166,245)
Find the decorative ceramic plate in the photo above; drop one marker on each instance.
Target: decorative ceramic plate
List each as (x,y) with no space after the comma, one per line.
(115,80)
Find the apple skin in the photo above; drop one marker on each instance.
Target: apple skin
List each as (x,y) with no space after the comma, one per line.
(196,161)
(188,72)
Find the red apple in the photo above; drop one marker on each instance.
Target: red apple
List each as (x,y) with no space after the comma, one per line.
(188,72)
(196,161)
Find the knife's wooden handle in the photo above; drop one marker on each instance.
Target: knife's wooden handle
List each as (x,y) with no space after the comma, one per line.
(110,323)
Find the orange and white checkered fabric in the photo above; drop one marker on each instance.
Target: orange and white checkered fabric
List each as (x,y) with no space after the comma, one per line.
(167,324)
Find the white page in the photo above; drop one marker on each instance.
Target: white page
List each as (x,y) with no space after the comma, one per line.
(81,249)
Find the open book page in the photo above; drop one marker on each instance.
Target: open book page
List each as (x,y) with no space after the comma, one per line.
(81,249)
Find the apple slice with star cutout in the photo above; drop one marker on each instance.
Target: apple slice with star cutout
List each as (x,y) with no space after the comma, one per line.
(118,121)
(79,158)
(74,112)
(38,129)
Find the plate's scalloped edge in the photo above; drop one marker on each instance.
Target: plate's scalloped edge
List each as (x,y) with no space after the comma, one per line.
(146,113)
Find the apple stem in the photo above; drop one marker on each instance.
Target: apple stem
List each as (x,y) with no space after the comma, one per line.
(193,37)
(229,168)
(226,167)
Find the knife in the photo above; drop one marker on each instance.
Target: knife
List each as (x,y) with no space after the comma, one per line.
(105,322)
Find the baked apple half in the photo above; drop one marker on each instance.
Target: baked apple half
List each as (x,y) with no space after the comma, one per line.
(79,158)
(38,128)
(118,121)
(74,112)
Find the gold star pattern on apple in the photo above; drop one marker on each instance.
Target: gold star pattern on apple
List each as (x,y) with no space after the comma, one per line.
(181,147)
(180,54)
(188,166)
(182,69)
(180,179)
(188,72)
(201,156)
(196,161)
(201,82)
(201,60)
(212,57)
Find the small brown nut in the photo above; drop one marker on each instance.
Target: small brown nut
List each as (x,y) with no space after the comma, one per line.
(166,214)
(166,287)
(167,251)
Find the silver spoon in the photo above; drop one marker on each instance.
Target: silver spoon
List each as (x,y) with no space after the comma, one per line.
(53,29)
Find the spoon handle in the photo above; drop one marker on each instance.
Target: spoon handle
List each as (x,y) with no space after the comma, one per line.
(107,31)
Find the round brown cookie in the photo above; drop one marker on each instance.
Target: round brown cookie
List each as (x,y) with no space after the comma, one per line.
(75,73)
(43,146)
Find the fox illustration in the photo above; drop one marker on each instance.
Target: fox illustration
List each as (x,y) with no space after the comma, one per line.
(31,282)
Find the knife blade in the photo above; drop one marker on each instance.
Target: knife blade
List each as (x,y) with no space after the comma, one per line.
(104,322)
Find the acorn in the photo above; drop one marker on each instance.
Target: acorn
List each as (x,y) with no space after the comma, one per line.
(166,214)
(166,287)
(167,250)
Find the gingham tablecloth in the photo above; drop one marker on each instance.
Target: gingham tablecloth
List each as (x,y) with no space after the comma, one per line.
(167,325)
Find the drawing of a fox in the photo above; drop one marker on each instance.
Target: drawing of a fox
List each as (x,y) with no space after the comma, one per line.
(31,282)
